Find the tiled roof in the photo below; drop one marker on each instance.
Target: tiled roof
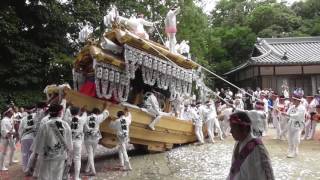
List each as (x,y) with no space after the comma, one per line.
(285,51)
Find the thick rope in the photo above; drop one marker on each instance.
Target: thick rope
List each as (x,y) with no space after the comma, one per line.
(150,45)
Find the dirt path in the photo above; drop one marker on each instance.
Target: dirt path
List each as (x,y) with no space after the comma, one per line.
(209,161)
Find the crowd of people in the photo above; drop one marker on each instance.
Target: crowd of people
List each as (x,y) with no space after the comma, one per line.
(264,107)
(292,116)
(53,134)
(247,115)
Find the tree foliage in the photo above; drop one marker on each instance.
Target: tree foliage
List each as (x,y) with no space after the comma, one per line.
(39,38)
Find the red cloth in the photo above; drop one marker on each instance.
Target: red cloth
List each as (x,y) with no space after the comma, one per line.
(88,88)
(171,29)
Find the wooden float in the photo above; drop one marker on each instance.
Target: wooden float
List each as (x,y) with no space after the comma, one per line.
(168,132)
(156,49)
(120,37)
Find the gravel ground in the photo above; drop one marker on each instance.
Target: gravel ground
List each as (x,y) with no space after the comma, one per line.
(208,161)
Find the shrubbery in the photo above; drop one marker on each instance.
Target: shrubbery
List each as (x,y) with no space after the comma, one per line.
(21,98)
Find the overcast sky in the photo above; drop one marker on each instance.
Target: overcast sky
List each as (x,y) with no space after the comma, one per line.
(208,5)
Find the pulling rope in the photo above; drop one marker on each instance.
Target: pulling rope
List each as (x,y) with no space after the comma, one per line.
(150,45)
(216,75)
(224,100)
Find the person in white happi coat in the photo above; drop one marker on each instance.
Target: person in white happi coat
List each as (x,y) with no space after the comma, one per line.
(240,93)
(226,112)
(27,130)
(283,119)
(54,145)
(178,105)
(257,117)
(203,111)
(152,106)
(16,118)
(41,116)
(93,135)
(250,159)
(77,121)
(121,126)
(296,115)
(263,98)
(41,109)
(7,132)
(309,109)
(310,127)
(186,115)
(229,94)
(138,26)
(184,49)
(212,118)
(256,94)
(315,118)
(171,27)
(23,112)
(198,122)
(275,114)
(238,102)
(315,103)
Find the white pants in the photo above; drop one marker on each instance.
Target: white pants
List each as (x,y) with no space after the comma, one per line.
(77,146)
(31,163)
(123,155)
(210,126)
(310,129)
(91,147)
(216,126)
(180,111)
(26,152)
(5,143)
(276,124)
(307,129)
(38,165)
(172,42)
(266,123)
(283,127)
(199,133)
(225,125)
(157,118)
(294,141)
(51,169)
(313,129)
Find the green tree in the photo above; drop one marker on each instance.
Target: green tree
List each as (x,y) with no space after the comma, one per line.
(308,9)
(231,12)
(230,46)
(193,26)
(274,17)
(39,38)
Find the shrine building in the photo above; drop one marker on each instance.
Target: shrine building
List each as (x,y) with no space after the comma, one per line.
(275,60)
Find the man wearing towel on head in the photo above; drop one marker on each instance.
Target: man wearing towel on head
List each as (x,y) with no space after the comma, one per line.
(250,159)
(257,116)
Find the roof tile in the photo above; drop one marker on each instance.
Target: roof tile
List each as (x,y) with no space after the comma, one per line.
(299,50)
